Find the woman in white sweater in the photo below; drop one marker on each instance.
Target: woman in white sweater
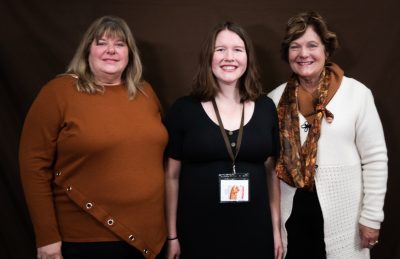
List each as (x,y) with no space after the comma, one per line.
(333,160)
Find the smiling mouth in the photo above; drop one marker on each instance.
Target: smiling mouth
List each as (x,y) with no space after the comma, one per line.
(303,63)
(228,68)
(110,60)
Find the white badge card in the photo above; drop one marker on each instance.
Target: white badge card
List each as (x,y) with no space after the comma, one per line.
(234,187)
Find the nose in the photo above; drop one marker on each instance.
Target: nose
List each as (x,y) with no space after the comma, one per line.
(229,56)
(303,52)
(110,49)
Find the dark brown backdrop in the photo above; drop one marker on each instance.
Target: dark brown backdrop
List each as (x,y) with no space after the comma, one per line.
(39,37)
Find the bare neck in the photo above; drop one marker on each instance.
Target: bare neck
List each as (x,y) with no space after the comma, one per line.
(228,94)
(108,80)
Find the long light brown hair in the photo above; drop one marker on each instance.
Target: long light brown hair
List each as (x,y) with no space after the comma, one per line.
(205,86)
(109,26)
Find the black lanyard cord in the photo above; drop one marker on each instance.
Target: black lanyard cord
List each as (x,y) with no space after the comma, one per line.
(225,136)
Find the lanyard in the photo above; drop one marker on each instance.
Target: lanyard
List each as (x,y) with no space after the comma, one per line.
(225,136)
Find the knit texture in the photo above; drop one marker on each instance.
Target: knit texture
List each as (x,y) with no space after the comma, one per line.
(352,170)
(92,166)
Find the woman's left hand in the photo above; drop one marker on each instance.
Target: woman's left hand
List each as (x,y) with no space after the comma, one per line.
(369,236)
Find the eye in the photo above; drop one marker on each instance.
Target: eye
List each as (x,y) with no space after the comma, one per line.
(293,47)
(219,49)
(313,45)
(101,43)
(239,49)
(120,44)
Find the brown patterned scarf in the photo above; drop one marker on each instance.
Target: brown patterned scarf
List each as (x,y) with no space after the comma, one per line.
(296,163)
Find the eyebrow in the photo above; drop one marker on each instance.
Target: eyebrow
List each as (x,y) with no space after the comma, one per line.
(237,46)
(311,41)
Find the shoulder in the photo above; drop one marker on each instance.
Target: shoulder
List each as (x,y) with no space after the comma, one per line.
(276,94)
(181,112)
(60,86)
(146,87)
(183,107)
(184,102)
(147,90)
(355,91)
(265,101)
(62,82)
(351,84)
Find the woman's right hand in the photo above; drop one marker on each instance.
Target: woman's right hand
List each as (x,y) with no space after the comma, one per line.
(52,251)
(173,249)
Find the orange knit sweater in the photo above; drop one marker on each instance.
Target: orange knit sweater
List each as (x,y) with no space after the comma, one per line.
(92,166)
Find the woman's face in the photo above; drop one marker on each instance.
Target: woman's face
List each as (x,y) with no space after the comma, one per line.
(108,59)
(307,55)
(229,60)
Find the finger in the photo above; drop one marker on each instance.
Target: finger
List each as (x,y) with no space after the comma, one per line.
(372,243)
(364,243)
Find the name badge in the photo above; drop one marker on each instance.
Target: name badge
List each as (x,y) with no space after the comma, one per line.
(234,187)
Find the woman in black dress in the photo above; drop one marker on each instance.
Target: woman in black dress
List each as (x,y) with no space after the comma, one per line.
(222,193)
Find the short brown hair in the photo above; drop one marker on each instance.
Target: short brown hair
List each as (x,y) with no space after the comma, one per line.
(297,26)
(205,86)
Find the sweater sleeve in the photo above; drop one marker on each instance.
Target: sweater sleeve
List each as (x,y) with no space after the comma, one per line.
(36,158)
(371,146)
(152,94)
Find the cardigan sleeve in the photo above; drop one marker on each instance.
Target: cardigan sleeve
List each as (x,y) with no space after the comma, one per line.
(37,154)
(370,142)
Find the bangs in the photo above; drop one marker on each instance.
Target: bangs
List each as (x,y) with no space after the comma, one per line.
(111,30)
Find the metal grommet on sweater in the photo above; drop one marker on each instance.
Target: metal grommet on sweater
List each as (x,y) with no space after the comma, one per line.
(110,222)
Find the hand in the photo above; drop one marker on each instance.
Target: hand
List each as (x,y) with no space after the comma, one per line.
(52,251)
(173,249)
(278,246)
(369,236)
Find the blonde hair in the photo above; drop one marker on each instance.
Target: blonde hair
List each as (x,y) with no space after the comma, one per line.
(110,26)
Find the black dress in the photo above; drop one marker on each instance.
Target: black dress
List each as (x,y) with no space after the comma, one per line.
(206,227)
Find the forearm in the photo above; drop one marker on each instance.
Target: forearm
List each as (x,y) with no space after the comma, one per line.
(274,201)
(274,193)
(40,202)
(37,175)
(374,182)
(172,190)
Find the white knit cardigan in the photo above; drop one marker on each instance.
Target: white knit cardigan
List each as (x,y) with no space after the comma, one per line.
(352,170)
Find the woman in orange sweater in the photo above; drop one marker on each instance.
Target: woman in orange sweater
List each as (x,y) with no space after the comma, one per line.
(91,154)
